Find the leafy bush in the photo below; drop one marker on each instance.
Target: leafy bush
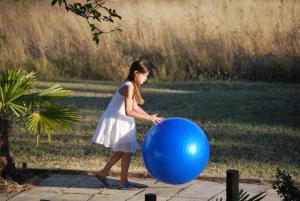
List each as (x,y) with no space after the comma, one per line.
(285,186)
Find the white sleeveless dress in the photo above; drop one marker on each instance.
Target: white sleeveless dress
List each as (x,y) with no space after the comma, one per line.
(115,129)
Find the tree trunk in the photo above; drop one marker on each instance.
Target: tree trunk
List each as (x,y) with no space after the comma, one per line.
(7,167)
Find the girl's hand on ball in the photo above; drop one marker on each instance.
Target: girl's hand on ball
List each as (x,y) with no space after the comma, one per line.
(155,119)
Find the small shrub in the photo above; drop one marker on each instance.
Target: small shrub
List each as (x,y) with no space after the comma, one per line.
(285,186)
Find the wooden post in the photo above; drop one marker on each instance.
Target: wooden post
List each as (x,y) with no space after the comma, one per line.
(232,185)
(150,197)
(24,165)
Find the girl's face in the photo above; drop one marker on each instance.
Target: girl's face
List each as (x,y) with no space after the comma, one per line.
(140,78)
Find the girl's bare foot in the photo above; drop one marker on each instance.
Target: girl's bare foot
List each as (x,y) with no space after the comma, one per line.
(102,173)
(122,183)
(101,178)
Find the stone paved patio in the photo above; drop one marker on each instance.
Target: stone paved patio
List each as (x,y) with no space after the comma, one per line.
(64,187)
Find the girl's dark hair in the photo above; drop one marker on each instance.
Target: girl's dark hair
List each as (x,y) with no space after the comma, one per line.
(140,67)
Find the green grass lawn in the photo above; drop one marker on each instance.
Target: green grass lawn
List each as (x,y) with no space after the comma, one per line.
(252,127)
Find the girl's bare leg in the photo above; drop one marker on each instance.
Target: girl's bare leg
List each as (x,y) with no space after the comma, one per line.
(110,163)
(125,161)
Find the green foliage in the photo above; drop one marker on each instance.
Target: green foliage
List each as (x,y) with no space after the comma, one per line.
(92,11)
(14,85)
(244,196)
(38,110)
(285,186)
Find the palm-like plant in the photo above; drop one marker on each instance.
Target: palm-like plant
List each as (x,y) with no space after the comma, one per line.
(244,196)
(38,110)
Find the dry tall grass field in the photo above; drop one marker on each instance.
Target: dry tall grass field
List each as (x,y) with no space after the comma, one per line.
(191,39)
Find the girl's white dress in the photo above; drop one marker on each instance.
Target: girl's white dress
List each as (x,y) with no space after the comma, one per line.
(115,129)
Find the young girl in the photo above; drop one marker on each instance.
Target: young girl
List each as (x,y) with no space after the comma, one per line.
(116,128)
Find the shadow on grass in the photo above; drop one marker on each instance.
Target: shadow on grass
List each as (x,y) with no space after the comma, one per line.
(278,108)
(266,147)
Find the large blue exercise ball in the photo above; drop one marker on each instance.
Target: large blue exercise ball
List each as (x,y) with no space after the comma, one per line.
(175,151)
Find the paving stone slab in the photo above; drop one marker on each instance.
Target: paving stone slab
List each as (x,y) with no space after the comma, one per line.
(122,196)
(142,198)
(165,191)
(70,197)
(82,188)
(254,188)
(186,199)
(158,198)
(48,189)
(272,197)
(29,196)
(143,183)
(6,195)
(83,191)
(110,197)
(202,189)
(129,193)
(159,184)
(88,185)
(57,183)
(58,180)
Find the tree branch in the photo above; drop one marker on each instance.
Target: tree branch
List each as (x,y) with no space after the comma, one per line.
(90,10)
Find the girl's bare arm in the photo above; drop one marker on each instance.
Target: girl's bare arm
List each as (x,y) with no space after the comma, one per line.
(127,92)
(137,108)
